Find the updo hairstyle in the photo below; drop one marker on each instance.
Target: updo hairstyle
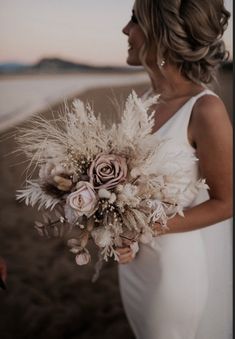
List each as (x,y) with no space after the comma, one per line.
(187,33)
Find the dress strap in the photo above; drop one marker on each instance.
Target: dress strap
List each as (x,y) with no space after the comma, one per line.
(177,126)
(192,102)
(206,91)
(186,115)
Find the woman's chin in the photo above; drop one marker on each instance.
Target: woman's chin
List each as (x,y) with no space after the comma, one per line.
(132,61)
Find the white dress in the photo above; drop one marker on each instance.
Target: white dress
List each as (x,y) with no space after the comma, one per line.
(181,288)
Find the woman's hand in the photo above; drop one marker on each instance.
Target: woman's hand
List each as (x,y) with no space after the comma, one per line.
(128,252)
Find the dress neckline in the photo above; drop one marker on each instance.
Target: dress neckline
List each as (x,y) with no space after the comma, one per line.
(180,109)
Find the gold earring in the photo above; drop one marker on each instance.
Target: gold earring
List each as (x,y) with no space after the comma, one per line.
(162,63)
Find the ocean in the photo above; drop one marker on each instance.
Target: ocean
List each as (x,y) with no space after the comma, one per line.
(26,95)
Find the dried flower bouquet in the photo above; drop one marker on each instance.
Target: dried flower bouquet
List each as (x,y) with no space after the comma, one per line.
(105,184)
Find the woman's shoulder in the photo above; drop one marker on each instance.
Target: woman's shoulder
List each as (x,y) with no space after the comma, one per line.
(209,108)
(209,121)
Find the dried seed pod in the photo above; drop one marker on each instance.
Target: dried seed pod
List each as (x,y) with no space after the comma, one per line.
(63,184)
(83,258)
(84,239)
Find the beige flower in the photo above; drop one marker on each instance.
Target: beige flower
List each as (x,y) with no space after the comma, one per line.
(104,194)
(84,200)
(107,171)
(128,196)
(56,175)
(102,237)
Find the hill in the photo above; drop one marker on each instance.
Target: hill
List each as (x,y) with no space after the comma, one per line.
(58,65)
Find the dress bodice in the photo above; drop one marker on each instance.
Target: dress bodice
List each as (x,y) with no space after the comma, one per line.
(176,128)
(177,125)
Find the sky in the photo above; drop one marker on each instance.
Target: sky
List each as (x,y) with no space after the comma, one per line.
(86,31)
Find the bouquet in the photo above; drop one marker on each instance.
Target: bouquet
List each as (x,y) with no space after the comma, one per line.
(105,184)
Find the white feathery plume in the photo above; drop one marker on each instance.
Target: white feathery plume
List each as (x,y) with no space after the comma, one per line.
(33,195)
(136,123)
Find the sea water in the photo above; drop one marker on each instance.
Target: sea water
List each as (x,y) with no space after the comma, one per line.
(22,96)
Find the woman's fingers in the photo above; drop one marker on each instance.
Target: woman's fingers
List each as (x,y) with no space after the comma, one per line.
(125,258)
(125,255)
(123,250)
(126,242)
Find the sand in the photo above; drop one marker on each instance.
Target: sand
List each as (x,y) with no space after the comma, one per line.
(48,295)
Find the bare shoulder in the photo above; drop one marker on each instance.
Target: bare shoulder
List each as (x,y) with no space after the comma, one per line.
(209,109)
(209,114)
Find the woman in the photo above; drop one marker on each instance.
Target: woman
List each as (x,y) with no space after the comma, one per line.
(181,288)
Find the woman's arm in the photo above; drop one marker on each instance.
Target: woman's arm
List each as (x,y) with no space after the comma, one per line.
(210,131)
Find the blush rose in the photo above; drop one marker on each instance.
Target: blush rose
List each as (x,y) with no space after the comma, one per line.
(107,171)
(84,200)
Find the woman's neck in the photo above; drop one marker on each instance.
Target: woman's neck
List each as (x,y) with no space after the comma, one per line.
(171,84)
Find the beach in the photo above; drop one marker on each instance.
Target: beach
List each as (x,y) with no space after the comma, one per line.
(48,296)
(22,96)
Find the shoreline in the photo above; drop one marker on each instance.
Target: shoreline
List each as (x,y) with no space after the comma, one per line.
(23,98)
(20,101)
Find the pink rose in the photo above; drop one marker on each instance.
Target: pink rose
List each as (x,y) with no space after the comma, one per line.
(107,171)
(84,200)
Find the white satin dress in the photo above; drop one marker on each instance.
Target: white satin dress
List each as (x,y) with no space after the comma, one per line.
(181,286)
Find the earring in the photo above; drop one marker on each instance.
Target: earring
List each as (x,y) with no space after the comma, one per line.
(162,63)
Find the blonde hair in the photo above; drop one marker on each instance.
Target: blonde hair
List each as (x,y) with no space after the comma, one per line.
(186,33)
